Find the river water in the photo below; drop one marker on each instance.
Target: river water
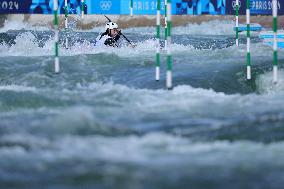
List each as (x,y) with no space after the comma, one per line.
(104,122)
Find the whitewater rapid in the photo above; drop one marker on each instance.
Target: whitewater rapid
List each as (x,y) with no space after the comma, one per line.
(104,122)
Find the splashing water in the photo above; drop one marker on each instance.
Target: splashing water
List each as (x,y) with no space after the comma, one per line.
(104,122)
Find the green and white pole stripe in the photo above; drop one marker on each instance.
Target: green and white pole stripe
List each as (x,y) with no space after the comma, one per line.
(169,55)
(131,7)
(237,22)
(275,46)
(82,8)
(66,14)
(248,40)
(158,40)
(166,29)
(56,35)
(66,21)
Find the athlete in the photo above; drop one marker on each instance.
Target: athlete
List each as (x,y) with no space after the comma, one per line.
(110,37)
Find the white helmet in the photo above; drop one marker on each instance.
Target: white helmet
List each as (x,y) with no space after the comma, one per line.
(111,25)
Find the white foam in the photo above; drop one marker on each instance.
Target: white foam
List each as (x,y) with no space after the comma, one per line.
(183,99)
(265,83)
(151,149)
(26,45)
(122,102)
(217,27)
(20,25)
(143,49)
(4,48)
(17,88)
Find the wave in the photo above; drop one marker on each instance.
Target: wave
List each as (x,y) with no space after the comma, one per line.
(10,25)
(126,161)
(30,44)
(168,149)
(265,83)
(17,88)
(111,109)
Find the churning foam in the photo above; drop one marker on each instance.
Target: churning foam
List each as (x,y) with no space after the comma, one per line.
(265,83)
(21,25)
(17,88)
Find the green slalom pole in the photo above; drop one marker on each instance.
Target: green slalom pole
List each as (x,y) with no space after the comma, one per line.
(275,46)
(131,8)
(237,22)
(158,31)
(166,29)
(66,22)
(169,55)
(56,36)
(66,14)
(82,8)
(248,40)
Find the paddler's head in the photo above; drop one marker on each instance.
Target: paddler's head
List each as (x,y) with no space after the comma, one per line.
(112,29)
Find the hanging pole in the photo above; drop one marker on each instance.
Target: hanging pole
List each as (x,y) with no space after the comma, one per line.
(166,30)
(169,55)
(66,14)
(82,8)
(56,36)
(131,8)
(66,22)
(237,23)
(275,46)
(248,40)
(158,40)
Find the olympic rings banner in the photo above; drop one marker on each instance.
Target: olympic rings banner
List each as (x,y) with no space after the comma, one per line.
(148,7)
(140,7)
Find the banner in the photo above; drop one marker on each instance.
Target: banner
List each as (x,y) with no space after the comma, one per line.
(40,6)
(198,7)
(105,7)
(179,7)
(13,6)
(140,7)
(264,7)
(257,7)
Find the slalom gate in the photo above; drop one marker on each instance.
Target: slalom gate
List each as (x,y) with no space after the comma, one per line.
(248,30)
(168,41)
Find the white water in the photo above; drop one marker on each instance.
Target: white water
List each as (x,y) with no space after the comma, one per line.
(26,45)
(74,121)
(166,149)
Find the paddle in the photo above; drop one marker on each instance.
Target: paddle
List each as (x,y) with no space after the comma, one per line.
(121,33)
